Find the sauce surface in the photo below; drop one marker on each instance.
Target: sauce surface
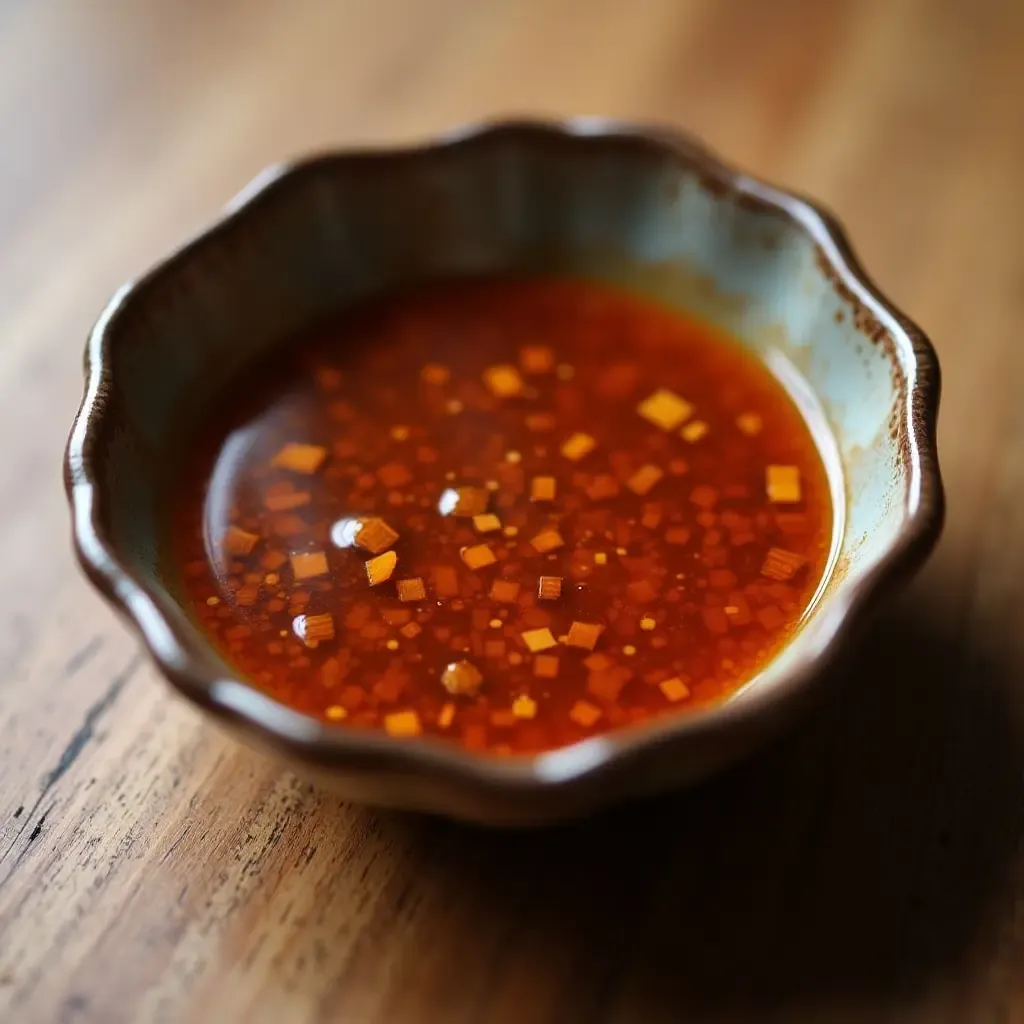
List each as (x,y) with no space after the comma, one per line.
(512,514)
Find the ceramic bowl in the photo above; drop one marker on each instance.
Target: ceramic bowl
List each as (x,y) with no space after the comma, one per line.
(637,206)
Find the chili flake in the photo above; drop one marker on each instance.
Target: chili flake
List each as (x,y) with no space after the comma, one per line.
(577,446)
(239,542)
(412,589)
(478,556)
(665,409)
(584,634)
(379,569)
(539,639)
(300,458)
(307,564)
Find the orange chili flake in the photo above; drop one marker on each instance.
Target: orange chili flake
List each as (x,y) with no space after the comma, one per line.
(374,535)
(547,540)
(781,565)
(312,630)
(505,591)
(307,564)
(478,556)
(577,446)
(545,666)
(503,381)
(644,479)
(584,713)
(782,484)
(239,542)
(651,517)
(584,634)
(549,588)
(379,569)
(464,501)
(487,523)
(403,723)
(446,581)
(286,500)
(542,488)
(536,358)
(598,661)
(674,689)
(539,639)
(749,423)
(446,716)
(412,589)
(603,486)
(524,707)
(693,432)
(300,458)
(665,409)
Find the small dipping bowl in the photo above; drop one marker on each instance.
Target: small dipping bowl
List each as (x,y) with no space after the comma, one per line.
(639,207)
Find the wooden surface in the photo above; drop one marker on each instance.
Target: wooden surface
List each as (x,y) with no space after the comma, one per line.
(869,868)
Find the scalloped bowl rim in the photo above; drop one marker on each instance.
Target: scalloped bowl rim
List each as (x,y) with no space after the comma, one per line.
(172,644)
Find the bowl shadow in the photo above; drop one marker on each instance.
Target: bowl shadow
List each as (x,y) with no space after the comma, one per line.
(857,860)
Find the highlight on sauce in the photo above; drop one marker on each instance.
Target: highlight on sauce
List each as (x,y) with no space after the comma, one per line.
(507,513)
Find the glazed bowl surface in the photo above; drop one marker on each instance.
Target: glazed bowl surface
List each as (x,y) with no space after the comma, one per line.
(643,208)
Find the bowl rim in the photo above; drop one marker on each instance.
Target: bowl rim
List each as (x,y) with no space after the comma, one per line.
(182,653)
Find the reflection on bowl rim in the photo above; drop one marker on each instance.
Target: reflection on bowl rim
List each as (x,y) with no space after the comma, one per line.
(181,652)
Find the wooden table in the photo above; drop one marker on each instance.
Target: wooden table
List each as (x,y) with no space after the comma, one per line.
(869,868)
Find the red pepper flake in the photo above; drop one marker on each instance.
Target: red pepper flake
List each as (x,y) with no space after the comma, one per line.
(478,556)
(545,666)
(503,381)
(584,634)
(584,713)
(704,496)
(606,684)
(542,488)
(603,486)
(300,458)
(547,540)
(644,479)
(412,589)
(781,565)
(238,542)
(505,591)
(446,581)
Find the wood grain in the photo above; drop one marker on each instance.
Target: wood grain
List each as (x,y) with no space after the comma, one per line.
(869,868)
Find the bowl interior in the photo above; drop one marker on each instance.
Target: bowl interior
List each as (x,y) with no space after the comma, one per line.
(335,230)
